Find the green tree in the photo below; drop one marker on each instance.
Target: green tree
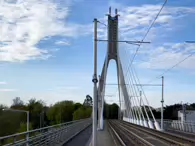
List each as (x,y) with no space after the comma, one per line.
(23,127)
(111,111)
(18,104)
(61,112)
(77,106)
(35,108)
(9,120)
(82,112)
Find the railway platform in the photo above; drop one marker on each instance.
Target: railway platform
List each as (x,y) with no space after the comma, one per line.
(105,137)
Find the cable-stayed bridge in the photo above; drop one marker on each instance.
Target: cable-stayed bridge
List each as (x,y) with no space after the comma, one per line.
(136,124)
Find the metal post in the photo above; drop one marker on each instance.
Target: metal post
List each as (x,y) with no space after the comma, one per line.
(162,101)
(140,93)
(40,120)
(27,136)
(94,138)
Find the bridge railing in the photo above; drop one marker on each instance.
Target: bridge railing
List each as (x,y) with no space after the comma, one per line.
(178,125)
(51,135)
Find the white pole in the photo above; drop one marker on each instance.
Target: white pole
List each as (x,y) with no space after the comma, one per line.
(94,138)
(27,137)
(162,101)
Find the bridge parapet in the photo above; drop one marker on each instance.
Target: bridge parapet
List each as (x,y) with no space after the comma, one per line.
(51,135)
(188,126)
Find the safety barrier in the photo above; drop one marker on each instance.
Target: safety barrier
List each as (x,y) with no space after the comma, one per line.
(179,125)
(167,124)
(51,135)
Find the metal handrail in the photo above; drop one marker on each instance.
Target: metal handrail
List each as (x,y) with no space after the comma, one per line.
(51,134)
(35,130)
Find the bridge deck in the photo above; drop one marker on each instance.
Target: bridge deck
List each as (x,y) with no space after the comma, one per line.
(104,137)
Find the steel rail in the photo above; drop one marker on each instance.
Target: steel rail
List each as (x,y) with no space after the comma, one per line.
(166,136)
(132,137)
(117,135)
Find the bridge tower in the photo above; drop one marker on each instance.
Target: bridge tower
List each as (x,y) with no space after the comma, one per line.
(112,53)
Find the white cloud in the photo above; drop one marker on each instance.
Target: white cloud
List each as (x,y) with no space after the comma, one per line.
(3,83)
(62,43)
(24,23)
(170,98)
(65,88)
(138,19)
(135,20)
(167,55)
(133,24)
(7,90)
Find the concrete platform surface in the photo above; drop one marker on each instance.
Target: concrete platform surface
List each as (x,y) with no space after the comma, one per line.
(104,138)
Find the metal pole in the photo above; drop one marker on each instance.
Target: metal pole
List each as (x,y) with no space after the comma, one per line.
(43,119)
(27,136)
(140,94)
(162,101)
(40,119)
(94,138)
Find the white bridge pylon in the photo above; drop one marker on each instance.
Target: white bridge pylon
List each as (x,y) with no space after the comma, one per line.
(135,110)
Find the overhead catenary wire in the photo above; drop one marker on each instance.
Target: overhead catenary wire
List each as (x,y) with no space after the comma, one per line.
(169,69)
(101,23)
(152,24)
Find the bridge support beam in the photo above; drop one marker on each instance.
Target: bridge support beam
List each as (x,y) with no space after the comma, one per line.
(145,123)
(112,53)
(157,126)
(150,123)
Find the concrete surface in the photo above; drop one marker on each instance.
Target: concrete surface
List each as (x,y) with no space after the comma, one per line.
(104,138)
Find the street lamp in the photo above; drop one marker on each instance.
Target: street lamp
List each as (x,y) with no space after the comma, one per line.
(27,124)
(95,91)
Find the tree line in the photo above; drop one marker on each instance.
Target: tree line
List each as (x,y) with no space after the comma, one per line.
(169,111)
(40,115)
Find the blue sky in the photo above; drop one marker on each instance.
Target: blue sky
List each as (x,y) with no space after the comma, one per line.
(46,48)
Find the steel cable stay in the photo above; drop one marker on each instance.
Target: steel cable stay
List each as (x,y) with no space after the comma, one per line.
(127,100)
(144,105)
(141,98)
(130,63)
(137,101)
(155,122)
(120,86)
(133,93)
(126,81)
(150,123)
(149,109)
(124,66)
(129,66)
(136,95)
